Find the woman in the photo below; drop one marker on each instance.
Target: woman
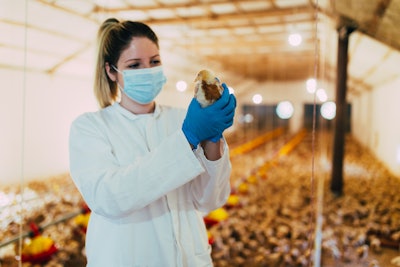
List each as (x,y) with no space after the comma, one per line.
(149,173)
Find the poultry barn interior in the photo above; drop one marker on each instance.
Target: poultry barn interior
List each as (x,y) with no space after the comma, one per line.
(314,147)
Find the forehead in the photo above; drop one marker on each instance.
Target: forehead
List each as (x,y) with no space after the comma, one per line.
(139,48)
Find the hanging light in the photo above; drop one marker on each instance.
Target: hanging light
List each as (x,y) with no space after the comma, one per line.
(295,39)
(311,85)
(257,99)
(285,110)
(328,110)
(181,86)
(321,94)
(248,118)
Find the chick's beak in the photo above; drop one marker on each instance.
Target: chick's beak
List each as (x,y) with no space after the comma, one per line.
(198,77)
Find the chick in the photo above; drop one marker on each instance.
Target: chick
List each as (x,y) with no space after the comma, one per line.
(396,261)
(208,88)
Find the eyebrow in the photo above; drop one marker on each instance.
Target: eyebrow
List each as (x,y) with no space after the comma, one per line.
(138,59)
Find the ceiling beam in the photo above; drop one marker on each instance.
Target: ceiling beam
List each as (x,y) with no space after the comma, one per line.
(68,58)
(193,4)
(198,44)
(376,19)
(278,12)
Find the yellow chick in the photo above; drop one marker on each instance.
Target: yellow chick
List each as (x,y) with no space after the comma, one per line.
(233,200)
(243,188)
(208,88)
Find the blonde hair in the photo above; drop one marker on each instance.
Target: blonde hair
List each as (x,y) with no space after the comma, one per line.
(113,38)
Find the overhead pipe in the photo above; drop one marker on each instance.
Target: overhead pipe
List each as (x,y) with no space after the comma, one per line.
(344,31)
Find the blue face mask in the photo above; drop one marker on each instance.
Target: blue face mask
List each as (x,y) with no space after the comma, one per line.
(143,85)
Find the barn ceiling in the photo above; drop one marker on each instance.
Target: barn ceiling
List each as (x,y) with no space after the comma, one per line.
(248,38)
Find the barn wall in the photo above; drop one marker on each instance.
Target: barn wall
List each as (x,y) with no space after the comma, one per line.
(36,113)
(376,123)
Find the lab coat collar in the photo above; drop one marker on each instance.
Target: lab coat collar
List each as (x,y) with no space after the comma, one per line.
(126,113)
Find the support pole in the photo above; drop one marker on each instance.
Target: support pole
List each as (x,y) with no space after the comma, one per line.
(341,109)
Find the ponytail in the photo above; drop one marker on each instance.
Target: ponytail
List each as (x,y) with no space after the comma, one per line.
(105,90)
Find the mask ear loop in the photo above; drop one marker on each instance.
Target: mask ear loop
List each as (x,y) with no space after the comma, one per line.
(117,70)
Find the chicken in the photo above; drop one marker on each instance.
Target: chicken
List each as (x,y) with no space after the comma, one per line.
(396,261)
(207,88)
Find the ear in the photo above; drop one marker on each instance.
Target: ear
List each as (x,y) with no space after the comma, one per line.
(113,75)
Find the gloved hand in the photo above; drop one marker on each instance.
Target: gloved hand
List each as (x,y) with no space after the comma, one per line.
(231,105)
(210,122)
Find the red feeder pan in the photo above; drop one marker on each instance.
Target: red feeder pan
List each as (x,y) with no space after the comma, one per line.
(40,257)
(210,222)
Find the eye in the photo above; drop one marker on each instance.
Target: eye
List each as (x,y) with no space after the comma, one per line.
(155,62)
(134,66)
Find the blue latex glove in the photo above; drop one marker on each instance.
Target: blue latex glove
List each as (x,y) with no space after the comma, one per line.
(231,105)
(210,122)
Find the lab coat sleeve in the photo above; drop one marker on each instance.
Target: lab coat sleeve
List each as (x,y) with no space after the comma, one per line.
(212,188)
(114,191)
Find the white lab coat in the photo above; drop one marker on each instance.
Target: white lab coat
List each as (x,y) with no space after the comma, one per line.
(147,190)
